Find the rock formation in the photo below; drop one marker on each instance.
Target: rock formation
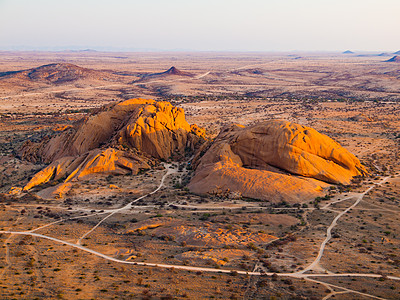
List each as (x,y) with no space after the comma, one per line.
(69,169)
(154,128)
(158,130)
(362,118)
(109,161)
(120,139)
(259,161)
(275,160)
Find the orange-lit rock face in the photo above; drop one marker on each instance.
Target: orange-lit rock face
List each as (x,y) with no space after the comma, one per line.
(296,149)
(256,184)
(159,130)
(199,131)
(54,171)
(93,132)
(109,161)
(253,161)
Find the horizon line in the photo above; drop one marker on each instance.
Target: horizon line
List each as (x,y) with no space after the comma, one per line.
(144,50)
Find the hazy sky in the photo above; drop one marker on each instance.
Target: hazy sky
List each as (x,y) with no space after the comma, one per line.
(243,25)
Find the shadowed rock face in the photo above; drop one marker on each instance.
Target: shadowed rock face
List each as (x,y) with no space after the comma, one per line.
(257,162)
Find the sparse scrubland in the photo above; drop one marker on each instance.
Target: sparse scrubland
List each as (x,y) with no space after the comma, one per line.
(120,208)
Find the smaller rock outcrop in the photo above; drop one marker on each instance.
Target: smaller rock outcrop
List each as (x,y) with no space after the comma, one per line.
(362,118)
(69,169)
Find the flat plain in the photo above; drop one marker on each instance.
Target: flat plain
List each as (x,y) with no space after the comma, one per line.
(105,240)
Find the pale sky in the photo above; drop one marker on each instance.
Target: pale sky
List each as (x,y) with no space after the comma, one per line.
(205,25)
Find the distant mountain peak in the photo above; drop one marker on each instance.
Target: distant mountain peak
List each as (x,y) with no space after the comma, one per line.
(171,71)
(175,71)
(348,52)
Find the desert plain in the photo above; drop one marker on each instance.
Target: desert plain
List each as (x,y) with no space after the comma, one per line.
(146,234)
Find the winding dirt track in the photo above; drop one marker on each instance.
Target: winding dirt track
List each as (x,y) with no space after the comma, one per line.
(315,263)
(129,205)
(191,268)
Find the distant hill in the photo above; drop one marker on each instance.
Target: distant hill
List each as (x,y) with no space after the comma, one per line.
(170,72)
(175,71)
(57,73)
(397,52)
(394,59)
(348,52)
(375,54)
(384,54)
